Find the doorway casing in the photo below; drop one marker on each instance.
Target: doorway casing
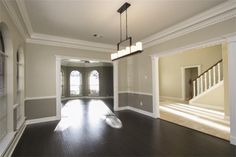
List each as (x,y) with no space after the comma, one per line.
(59,58)
(230,39)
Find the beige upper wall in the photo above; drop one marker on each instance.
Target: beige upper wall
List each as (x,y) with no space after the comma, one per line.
(40,70)
(122,74)
(130,78)
(170,67)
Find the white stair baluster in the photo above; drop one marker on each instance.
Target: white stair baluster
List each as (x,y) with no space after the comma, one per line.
(214,75)
(209,75)
(205,79)
(198,86)
(218,68)
(194,88)
(201,83)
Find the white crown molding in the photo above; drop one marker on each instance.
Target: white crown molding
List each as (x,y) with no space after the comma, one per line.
(69,43)
(232,39)
(220,13)
(14,18)
(25,16)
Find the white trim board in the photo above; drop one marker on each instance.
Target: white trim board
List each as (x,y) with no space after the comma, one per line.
(137,110)
(41,120)
(39,98)
(218,108)
(171,98)
(133,92)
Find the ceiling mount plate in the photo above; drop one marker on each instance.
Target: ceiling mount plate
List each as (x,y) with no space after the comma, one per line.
(123,8)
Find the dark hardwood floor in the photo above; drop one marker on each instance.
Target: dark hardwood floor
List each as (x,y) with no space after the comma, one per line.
(82,132)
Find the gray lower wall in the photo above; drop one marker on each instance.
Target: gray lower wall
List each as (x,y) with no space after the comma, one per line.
(40,108)
(135,100)
(105,80)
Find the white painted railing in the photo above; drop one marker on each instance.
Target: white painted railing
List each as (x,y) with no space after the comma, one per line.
(208,78)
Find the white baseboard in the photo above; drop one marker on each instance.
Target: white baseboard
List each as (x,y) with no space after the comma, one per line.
(137,110)
(15,141)
(207,106)
(41,120)
(171,98)
(233,140)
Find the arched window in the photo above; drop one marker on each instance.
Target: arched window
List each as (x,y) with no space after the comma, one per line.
(3,103)
(94,82)
(75,83)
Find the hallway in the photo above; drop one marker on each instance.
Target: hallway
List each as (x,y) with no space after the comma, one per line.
(83,132)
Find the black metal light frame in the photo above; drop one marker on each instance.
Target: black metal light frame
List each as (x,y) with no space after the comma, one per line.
(122,9)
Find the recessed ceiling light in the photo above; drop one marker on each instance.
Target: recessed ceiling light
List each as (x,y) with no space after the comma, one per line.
(97,35)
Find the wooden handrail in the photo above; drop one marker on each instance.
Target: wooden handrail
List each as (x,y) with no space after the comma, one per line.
(208,69)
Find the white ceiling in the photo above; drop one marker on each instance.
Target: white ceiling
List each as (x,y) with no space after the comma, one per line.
(80,19)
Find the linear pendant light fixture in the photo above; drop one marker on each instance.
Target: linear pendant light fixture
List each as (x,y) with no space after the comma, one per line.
(131,49)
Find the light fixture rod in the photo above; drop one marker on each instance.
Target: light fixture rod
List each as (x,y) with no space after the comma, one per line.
(120,27)
(126,25)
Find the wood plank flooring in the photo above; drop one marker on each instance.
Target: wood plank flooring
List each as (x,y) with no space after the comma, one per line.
(82,132)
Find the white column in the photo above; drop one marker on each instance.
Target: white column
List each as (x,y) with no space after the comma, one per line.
(209,75)
(115,85)
(201,83)
(205,80)
(218,70)
(155,87)
(232,87)
(58,87)
(194,88)
(214,75)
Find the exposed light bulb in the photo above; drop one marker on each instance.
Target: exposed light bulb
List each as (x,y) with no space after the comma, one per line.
(133,49)
(139,46)
(114,56)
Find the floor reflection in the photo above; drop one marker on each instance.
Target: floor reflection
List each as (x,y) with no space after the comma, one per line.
(206,120)
(82,114)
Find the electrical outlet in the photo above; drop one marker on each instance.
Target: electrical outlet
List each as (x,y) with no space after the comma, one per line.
(141,103)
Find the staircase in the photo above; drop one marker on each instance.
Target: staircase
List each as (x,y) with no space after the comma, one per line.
(209,78)
(208,88)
